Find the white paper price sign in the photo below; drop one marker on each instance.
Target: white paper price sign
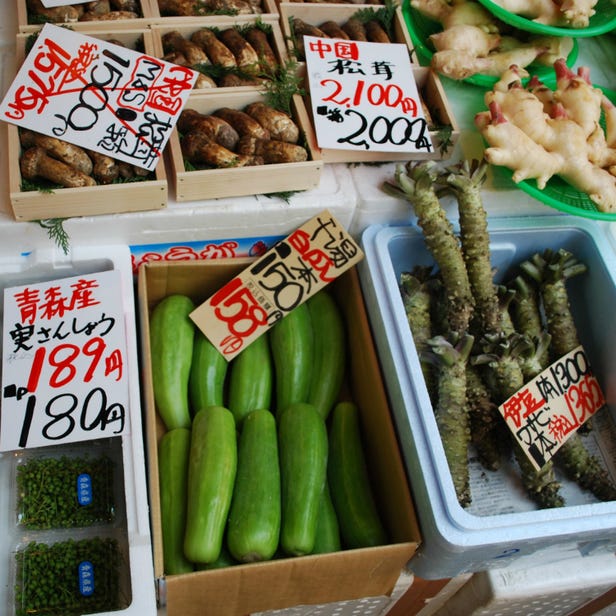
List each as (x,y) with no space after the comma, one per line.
(98,95)
(64,373)
(551,407)
(284,277)
(364,96)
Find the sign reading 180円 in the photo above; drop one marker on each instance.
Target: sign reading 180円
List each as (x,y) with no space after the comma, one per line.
(364,96)
(64,373)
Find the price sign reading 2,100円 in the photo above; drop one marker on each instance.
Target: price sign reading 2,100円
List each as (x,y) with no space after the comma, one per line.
(64,372)
(364,96)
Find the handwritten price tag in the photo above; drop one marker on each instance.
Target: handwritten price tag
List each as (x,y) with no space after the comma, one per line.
(364,96)
(284,277)
(546,411)
(98,95)
(64,377)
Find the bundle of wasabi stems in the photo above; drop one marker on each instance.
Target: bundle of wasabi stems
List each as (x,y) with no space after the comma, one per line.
(479,341)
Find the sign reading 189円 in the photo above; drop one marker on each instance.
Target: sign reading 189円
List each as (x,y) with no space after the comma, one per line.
(64,372)
(98,95)
(364,96)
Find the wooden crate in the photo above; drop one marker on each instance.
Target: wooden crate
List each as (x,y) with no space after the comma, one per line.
(26,24)
(267,8)
(187,26)
(235,182)
(92,200)
(317,13)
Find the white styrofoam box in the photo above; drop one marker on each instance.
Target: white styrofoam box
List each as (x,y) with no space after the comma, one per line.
(556,589)
(491,533)
(250,216)
(51,264)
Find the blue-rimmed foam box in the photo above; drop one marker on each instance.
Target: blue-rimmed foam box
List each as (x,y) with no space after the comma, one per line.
(501,524)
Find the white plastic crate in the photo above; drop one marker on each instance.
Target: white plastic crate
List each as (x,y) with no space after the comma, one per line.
(486,536)
(544,589)
(133,526)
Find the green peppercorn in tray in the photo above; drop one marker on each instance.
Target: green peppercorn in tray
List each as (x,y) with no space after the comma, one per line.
(65,487)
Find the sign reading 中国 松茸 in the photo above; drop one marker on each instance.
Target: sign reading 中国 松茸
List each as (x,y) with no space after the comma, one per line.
(552,406)
(364,96)
(98,95)
(64,362)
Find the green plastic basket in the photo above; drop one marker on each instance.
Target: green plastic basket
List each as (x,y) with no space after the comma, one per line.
(604,20)
(421,27)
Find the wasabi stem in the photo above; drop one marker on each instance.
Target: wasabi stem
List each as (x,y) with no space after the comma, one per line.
(451,410)
(417,300)
(551,270)
(466,180)
(416,183)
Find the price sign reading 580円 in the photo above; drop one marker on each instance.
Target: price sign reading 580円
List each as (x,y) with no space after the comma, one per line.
(364,96)
(64,373)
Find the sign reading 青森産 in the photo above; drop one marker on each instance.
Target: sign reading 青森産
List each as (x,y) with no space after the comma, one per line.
(64,354)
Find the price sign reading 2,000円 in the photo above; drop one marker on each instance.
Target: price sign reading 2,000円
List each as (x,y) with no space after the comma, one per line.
(66,410)
(64,375)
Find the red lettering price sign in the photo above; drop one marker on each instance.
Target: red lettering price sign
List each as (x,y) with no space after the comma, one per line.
(284,277)
(551,407)
(64,373)
(364,96)
(98,95)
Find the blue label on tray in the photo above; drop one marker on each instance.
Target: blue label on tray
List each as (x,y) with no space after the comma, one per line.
(84,489)
(86,578)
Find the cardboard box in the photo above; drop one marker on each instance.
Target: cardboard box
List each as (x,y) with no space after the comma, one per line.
(428,82)
(501,525)
(28,23)
(306,580)
(236,182)
(94,200)
(188,26)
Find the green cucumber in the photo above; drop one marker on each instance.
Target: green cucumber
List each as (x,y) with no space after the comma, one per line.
(329,352)
(212,467)
(171,343)
(328,529)
(251,379)
(173,449)
(292,347)
(208,370)
(351,491)
(253,528)
(302,444)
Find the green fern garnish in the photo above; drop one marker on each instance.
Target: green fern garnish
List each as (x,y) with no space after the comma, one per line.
(56,232)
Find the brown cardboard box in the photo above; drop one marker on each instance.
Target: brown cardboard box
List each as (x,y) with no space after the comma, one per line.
(318,579)
(91,200)
(191,185)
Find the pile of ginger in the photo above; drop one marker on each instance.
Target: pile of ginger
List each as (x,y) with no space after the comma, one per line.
(539,132)
(474,42)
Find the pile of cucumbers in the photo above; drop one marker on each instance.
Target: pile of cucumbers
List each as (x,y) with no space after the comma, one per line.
(261,458)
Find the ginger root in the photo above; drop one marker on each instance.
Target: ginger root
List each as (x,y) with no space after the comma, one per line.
(538,136)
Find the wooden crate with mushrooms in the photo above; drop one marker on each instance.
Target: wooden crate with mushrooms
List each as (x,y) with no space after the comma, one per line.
(52,178)
(243,52)
(237,144)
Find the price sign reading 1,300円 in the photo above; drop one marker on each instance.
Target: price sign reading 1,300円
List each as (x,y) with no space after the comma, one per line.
(64,373)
